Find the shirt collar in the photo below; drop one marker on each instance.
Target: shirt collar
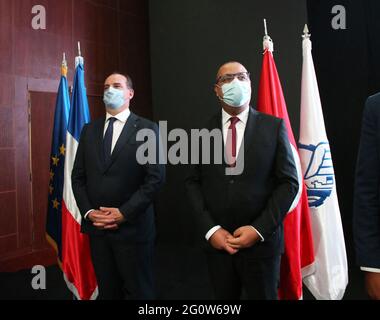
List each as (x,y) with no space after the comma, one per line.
(122,116)
(243,116)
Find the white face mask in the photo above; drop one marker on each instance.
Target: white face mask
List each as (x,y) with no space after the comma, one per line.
(113,98)
(236,93)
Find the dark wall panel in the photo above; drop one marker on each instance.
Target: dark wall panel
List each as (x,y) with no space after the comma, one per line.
(190,39)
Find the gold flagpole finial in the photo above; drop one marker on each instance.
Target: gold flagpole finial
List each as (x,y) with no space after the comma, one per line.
(64,66)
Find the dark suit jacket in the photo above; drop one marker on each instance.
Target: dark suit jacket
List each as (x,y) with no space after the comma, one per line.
(366,223)
(261,196)
(122,183)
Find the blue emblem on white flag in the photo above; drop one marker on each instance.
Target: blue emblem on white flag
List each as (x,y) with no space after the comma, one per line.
(319,176)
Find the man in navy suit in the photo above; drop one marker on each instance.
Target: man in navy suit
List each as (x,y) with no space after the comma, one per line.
(115,196)
(367,198)
(241,216)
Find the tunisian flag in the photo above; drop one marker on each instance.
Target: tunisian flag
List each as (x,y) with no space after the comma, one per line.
(77,265)
(298,258)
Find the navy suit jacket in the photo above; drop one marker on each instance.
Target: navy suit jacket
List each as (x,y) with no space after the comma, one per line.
(261,196)
(121,183)
(366,224)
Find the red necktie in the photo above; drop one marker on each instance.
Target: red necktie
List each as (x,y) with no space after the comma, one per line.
(232,142)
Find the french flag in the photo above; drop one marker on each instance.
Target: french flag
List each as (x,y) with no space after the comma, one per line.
(77,266)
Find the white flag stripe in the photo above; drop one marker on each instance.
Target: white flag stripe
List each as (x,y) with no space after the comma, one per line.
(68,195)
(330,279)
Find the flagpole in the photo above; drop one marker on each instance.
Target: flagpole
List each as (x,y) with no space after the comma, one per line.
(267,43)
(265,27)
(79,59)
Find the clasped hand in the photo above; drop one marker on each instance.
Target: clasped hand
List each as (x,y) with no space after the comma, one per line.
(106,218)
(244,237)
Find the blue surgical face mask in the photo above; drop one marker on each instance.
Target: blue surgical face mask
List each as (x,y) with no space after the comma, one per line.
(236,93)
(113,98)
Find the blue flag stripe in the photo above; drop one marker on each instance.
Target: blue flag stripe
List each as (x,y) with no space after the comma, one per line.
(79,113)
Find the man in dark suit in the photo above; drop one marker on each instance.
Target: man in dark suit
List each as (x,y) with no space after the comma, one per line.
(241,216)
(115,194)
(366,223)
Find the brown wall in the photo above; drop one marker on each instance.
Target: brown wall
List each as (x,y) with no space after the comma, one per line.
(113,35)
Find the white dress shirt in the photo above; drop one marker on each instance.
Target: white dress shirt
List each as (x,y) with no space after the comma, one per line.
(240,127)
(240,130)
(118,126)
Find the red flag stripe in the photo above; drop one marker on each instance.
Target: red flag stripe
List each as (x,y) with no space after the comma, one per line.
(79,273)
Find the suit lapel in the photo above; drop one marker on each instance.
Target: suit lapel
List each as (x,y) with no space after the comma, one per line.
(249,133)
(218,124)
(128,131)
(99,131)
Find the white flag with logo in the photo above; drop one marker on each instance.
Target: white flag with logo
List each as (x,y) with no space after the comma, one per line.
(330,279)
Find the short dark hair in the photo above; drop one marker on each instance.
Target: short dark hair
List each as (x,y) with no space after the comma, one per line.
(126,76)
(224,64)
